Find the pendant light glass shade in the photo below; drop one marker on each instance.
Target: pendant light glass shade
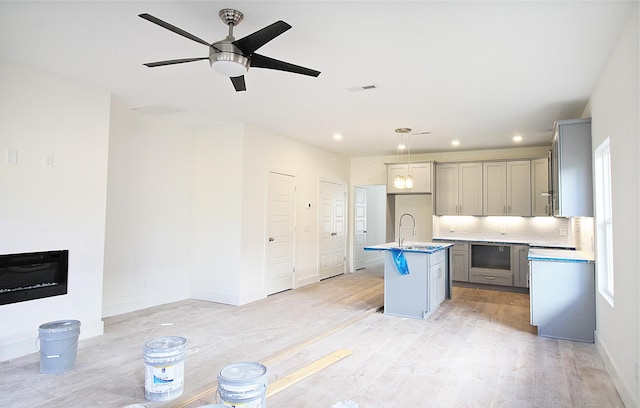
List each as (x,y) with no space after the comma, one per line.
(399,182)
(408,181)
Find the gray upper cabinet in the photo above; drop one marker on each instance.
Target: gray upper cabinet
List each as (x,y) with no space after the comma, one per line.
(458,189)
(506,188)
(540,198)
(421,172)
(571,169)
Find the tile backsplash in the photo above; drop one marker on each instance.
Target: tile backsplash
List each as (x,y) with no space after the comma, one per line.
(551,231)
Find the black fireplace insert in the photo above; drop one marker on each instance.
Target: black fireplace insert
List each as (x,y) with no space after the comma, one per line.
(33,275)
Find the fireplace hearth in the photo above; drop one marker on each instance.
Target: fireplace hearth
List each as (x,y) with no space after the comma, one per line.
(33,275)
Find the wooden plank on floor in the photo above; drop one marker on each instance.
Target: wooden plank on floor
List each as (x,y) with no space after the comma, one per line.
(274,358)
(306,371)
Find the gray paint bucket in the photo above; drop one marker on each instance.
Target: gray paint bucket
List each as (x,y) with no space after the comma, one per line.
(164,368)
(243,385)
(58,346)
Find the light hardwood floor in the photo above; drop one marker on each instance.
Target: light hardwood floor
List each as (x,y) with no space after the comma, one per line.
(477,350)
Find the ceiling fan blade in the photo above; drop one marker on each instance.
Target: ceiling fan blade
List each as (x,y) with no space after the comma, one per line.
(175,61)
(173,28)
(260,61)
(238,83)
(252,42)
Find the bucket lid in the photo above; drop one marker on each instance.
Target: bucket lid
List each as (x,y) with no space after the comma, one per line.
(59,326)
(245,372)
(166,344)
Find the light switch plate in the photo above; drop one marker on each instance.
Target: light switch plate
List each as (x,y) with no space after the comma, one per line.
(12,157)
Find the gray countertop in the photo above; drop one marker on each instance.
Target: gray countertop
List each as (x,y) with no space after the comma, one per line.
(506,241)
(557,255)
(424,247)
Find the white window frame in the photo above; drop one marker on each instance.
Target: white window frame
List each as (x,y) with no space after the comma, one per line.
(604,221)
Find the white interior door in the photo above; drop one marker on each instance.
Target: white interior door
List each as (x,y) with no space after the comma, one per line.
(360,230)
(280,236)
(332,229)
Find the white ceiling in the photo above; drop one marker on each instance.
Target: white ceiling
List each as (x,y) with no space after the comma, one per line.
(479,72)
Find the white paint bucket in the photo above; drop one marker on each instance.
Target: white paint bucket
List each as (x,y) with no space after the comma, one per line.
(164,368)
(58,346)
(243,385)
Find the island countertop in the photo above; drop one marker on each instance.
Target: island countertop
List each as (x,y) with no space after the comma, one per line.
(424,247)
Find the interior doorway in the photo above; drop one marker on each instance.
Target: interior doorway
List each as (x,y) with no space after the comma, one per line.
(360,227)
(280,235)
(370,207)
(332,240)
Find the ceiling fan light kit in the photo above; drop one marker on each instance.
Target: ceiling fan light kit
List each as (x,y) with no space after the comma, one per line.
(233,58)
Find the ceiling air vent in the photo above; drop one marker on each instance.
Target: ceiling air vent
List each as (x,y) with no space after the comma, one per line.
(362,88)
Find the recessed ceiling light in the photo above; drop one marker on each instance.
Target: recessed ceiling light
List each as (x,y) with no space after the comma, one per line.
(337,136)
(517,138)
(455,142)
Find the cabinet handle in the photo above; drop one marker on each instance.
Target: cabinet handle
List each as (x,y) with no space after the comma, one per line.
(489,277)
(271,239)
(334,234)
(508,209)
(504,209)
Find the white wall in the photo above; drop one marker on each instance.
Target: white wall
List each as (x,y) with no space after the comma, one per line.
(147,242)
(231,165)
(60,207)
(420,206)
(217,213)
(264,152)
(614,110)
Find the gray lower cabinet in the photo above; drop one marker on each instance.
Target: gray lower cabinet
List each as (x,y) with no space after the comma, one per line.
(460,262)
(517,275)
(562,299)
(491,276)
(520,265)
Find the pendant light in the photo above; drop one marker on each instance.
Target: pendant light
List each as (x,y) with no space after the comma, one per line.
(403,181)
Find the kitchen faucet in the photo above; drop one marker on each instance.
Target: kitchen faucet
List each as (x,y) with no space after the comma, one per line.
(400,227)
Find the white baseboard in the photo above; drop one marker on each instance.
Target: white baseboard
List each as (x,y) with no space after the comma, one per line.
(143,303)
(627,396)
(216,297)
(307,281)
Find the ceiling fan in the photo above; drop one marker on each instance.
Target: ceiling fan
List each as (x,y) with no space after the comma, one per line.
(231,57)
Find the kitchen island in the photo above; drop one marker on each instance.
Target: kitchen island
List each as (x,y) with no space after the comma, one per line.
(417,277)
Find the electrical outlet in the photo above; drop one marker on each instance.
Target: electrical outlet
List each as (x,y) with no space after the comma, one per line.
(503,230)
(47,160)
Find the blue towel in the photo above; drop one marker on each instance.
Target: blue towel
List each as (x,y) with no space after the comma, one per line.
(401,262)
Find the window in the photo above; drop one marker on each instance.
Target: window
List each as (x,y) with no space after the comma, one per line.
(604,221)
